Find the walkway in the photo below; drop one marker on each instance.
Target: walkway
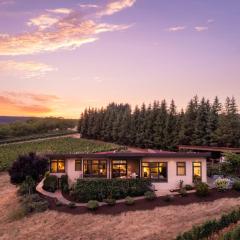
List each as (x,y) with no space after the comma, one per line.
(58,195)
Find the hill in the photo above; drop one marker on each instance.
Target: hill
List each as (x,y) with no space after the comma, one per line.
(11,119)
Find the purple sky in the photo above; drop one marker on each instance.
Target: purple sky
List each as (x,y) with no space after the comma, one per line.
(58,57)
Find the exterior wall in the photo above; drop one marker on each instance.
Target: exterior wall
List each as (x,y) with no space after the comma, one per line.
(173,179)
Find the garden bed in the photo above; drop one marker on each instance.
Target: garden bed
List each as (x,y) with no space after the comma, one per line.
(147,205)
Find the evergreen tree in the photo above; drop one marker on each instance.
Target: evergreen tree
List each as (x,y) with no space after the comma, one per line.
(171,130)
(189,122)
(201,132)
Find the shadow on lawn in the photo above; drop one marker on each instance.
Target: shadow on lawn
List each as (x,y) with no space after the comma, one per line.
(145,204)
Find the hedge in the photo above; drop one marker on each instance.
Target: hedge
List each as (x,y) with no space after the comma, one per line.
(211,227)
(100,189)
(50,183)
(232,235)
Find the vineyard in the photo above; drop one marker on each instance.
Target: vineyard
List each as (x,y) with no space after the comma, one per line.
(8,153)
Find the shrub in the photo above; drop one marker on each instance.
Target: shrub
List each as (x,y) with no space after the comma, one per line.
(34,203)
(168,198)
(50,183)
(188,187)
(149,195)
(110,201)
(202,189)
(222,184)
(28,165)
(72,205)
(17,214)
(210,228)
(99,189)
(232,235)
(236,185)
(64,184)
(183,192)
(129,201)
(92,205)
(27,186)
(58,203)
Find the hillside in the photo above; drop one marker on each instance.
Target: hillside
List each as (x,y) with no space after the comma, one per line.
(11,119)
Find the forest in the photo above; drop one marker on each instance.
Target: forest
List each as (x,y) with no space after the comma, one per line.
(35,126)
(159,125)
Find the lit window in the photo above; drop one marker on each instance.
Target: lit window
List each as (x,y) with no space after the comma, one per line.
(155,171)
(95,168)
(197,171)
(119,169)
(78,165)
(181,168)
(57,166)
(54,166)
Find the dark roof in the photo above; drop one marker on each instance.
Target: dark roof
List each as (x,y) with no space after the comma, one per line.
(129,155)
(209,149)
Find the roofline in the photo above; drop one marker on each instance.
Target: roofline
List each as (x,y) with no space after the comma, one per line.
(132,155)
(209,148)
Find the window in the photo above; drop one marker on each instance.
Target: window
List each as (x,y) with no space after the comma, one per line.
(181,169)
(78,165)
(197,171)
(57,166)
(119,168)
(155,171)
(95,168)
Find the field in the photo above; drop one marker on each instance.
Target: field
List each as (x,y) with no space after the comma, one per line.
(161,223)
(8,153)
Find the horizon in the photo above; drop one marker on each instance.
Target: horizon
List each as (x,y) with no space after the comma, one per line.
(58,58)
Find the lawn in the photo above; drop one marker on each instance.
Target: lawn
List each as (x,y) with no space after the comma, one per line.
(8,153)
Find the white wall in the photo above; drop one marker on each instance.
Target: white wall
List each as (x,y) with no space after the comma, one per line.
(173,179)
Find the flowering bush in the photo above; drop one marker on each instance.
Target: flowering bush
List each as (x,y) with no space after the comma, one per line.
(222,184)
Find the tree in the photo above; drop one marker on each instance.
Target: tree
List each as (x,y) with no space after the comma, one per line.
(213,121)
(232,164)
(160,125)
(189,122)
(171,130)
(201,135)
(228,132)
(29,165)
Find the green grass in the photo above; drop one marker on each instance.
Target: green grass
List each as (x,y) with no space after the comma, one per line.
(9,153)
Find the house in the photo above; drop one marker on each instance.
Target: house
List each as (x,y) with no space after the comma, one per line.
(165,169)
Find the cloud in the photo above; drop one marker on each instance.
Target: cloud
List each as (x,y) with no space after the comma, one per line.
(201,28)
(116,6)
(24,103)
(88,5)
(69,31)
(42,22)
(210,20)
(176,28)
(27,69)
(60,10)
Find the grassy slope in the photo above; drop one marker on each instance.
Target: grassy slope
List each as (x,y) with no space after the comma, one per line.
(9,153)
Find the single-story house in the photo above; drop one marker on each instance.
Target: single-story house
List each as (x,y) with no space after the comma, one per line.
(165,169)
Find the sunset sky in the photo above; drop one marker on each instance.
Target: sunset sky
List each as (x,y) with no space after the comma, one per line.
(59,56)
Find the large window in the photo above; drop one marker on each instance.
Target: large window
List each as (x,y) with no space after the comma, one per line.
(57,166)
(155,170)
(181,169)
(197,171)
(78,165)
(95,168)
(119,168)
